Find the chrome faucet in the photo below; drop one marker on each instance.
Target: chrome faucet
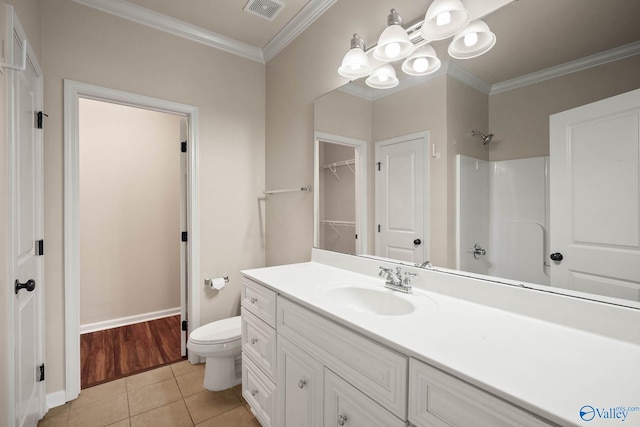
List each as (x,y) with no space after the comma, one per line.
(394,280)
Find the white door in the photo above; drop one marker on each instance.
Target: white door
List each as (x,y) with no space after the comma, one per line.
(595,197)
(27,230)
(401,199)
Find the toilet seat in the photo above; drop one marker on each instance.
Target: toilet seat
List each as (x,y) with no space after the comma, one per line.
(220,332)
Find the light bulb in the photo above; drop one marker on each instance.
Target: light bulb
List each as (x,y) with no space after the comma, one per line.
(420,65)
(392,50)
(470,39)
(443,19)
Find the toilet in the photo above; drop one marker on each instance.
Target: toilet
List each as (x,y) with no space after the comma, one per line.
(220,343)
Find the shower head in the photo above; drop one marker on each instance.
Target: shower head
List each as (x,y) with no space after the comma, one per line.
(485,138)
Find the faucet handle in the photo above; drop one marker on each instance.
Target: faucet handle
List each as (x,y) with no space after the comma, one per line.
(407,277)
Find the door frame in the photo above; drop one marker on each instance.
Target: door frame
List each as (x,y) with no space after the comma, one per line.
(360,147)
(15,30)
(424,135)
(73,91)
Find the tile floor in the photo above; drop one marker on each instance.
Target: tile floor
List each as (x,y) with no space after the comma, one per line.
(170,396)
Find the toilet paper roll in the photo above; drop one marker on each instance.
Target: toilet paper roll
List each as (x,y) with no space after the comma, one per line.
(217,283)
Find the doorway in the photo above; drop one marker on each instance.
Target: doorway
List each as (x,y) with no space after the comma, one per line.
(74,93)
(131,217)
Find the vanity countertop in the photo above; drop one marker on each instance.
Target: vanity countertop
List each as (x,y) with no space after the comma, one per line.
(549,369)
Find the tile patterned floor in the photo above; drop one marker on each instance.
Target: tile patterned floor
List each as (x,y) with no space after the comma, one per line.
(170,396)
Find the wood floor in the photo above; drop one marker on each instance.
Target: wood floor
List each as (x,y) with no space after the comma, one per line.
(119,352)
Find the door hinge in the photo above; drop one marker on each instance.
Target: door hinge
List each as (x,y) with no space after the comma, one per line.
(378,228)
(379,163)
(184,236)
(39,117)
(39,247)
(183,146)
(185,325)
(41,372)
(356,236)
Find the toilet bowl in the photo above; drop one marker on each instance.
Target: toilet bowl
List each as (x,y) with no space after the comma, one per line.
(220,343)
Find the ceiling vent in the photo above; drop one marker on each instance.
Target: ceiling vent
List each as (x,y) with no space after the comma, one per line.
(267,9)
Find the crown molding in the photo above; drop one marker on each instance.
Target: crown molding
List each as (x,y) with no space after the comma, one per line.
(158,21)
(585,63)
(132,12)
(307,16)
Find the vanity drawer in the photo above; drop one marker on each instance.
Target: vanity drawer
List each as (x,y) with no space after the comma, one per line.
(259,392)
(438,399)
(345,404)
(259,300)
(376,370)
(259,342)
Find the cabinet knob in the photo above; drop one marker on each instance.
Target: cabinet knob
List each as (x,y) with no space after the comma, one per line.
(302,383)
(254,340)
(254,393)
(253,300)
(342,419)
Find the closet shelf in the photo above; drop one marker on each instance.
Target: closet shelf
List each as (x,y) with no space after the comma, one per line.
(333,166)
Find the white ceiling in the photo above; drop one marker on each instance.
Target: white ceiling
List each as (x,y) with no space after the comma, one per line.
(532,34)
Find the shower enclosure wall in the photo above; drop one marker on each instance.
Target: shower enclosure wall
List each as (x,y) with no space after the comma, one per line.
(503,218)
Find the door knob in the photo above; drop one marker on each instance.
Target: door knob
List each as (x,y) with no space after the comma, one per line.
(556,257)
(30,285)
(417,242)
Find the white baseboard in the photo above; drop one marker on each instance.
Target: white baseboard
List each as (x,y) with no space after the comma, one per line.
(130,320)
(55,399)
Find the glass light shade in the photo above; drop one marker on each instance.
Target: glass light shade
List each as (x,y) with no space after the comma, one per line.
(383,78)
(355,64)
(393,44)
(422,62)
(473,41)
(443,19)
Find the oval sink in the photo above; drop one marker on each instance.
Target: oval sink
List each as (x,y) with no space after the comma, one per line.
(371,301)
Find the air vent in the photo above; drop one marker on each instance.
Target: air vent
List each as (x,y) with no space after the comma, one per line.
(267,9)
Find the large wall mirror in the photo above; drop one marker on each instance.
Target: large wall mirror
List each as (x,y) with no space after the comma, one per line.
(509,165)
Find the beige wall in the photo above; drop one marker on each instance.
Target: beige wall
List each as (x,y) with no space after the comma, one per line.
(520,118)
(129,211)
(85,45)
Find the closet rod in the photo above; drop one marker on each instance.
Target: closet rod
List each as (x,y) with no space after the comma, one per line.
(288,190)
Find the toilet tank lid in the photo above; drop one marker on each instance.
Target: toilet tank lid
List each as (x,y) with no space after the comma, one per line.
(224,330)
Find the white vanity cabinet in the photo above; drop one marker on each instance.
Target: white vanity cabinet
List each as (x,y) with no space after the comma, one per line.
(437,399)
(259,360)
(323,374)
(300,387)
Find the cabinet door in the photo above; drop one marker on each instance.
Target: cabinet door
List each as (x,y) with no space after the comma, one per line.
(300,385)
(345,405)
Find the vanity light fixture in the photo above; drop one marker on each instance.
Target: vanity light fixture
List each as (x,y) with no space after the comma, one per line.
(473,41)
(444,18)
(355,63)
(383,78)
(394,41)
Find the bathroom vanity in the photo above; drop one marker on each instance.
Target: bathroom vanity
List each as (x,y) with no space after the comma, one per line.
(326,344)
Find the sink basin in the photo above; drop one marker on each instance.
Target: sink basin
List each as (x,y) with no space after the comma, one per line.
(381,302)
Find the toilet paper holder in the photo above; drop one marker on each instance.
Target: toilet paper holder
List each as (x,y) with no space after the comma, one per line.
(208,282)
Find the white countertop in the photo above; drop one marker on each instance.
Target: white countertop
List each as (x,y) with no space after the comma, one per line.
(549,369)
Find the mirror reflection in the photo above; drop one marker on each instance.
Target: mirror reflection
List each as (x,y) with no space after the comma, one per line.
(463,168)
